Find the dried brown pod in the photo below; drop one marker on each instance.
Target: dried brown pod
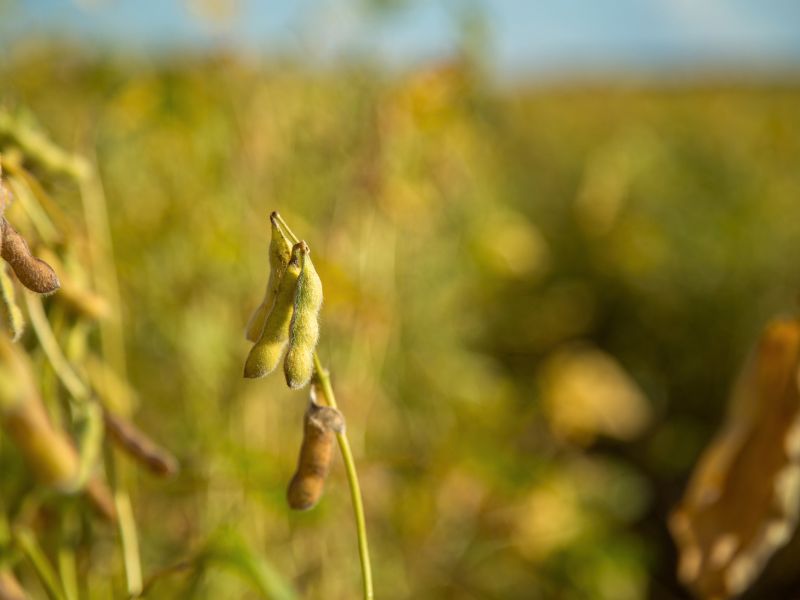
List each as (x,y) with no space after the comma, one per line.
(743,499)
(33,273)
(139,446)
(320,425)
(10,588)
(47,450)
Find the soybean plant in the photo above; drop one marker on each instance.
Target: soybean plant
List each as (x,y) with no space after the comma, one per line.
(59,420)
(289,313)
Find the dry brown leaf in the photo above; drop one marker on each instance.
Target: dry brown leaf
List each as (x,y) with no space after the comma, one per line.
(742,501)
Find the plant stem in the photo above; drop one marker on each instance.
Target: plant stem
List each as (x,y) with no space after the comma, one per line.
(67,570)
(104,274)
(30,547)
(126,527)
(72,382)
(130,543)
(352,479)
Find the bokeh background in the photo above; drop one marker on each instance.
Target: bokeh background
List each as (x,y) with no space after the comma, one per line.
(548,234)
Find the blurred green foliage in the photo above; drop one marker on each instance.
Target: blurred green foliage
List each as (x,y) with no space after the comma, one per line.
(489,256)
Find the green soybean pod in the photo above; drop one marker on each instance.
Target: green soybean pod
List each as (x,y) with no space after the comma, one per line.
(298,366)
(266,353)
(280,251)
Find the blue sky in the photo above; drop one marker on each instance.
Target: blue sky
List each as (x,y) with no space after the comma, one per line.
(523,37)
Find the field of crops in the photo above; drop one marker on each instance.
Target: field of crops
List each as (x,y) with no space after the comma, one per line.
(536,302)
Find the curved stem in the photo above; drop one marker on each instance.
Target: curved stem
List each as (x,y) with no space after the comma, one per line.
(77,389)
(352,480)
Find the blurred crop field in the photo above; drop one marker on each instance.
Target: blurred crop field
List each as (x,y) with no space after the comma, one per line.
(536,301)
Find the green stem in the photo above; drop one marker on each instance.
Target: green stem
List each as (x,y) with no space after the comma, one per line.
(130,542)
(352,479)
(72,382)
(126,526)
(30,547)
(287,229)
(101,253)
(67,570)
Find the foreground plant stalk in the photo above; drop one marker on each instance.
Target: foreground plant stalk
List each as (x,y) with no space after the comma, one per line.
(29,545)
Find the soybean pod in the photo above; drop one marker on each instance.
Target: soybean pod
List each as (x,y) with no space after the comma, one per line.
(33,273)
(139,446)
(267,352)
(280,252)
(298,366)
(320,425)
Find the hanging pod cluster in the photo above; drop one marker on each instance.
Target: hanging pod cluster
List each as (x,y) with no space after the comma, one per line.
(286,325)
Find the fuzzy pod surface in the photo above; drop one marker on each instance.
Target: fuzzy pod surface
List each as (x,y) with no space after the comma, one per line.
(267,352)
(280,252)
(320,425)
(298,366)
(33,273)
